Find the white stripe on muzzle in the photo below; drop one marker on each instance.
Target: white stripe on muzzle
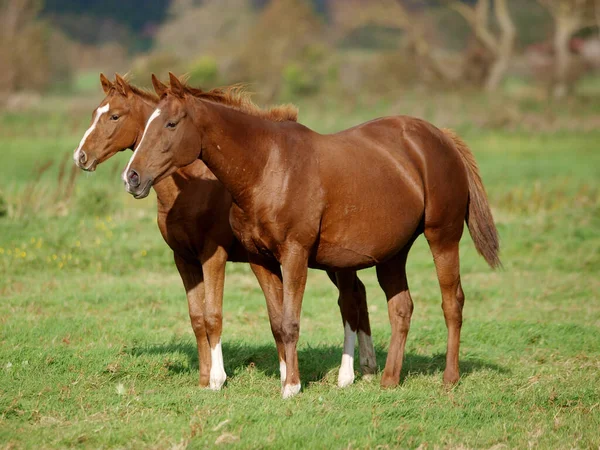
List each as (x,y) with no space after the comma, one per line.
(99,113)
(154,115)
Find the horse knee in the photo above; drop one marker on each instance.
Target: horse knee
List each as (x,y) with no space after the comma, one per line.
(452,311)
(198,325)
(290,331)
(401,314)
(213,323)
(460,296)
(404,308)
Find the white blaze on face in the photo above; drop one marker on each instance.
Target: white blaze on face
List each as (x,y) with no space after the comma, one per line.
(346,375)
(154,115)
(217,369)
(97,116)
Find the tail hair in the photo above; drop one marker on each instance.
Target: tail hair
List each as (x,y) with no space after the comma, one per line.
(479,216)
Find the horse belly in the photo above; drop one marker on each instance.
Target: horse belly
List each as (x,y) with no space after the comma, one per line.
(359,235)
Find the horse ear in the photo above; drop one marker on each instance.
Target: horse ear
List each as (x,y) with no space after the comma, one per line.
(176,86)
(106,84)
(122,85)
(159,87)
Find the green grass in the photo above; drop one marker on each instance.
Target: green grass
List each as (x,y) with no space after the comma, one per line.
(96,349)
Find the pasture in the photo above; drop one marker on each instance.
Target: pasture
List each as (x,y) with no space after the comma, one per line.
(96,349)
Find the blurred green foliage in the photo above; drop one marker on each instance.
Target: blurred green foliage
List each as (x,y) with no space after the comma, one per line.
(203,72)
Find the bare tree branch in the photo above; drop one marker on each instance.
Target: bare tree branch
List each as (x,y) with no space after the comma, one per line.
(506,43)
(570,16)
(477,17)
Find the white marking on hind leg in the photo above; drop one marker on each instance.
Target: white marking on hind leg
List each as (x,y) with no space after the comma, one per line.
(282,371)
(289,390)
(346,375)
(217,369)
(368,361)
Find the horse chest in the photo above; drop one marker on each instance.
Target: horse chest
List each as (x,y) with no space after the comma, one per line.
(253,234)
(181,234)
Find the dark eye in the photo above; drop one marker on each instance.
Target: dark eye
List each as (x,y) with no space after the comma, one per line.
(114,117)
(170,125)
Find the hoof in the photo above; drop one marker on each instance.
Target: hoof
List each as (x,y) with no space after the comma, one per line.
(368,377)
(204,383)
(217,380)
(389,382)
(345,378)
(368,370)
(289,390)
(451,379)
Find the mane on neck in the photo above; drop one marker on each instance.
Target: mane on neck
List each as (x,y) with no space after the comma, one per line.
(237,97)
(146,95)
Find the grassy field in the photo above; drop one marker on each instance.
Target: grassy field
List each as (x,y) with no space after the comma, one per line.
(96,349)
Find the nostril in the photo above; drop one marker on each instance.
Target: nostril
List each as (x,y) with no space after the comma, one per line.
(134,178)
(82,157)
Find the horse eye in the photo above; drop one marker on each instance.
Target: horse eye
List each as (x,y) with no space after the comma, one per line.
(171,125)
(114,117)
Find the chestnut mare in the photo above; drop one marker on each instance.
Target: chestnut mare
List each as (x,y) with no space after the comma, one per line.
(193,217)
(345,201)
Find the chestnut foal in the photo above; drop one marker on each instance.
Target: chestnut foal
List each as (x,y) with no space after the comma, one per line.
(193,217)
(345,201)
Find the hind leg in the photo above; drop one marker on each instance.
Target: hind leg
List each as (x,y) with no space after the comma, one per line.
(366,350)
(355,318)
(392,279)
(446,258)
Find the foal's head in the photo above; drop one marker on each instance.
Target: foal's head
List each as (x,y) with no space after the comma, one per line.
(117,122)
(170,140)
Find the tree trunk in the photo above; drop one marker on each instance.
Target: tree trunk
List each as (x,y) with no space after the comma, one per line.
(565,27)
(504,48)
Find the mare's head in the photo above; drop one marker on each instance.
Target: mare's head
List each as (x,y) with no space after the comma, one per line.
(116,124)
(177,130)
(169,141)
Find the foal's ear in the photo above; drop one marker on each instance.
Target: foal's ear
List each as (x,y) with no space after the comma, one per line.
(122,85)
(106,84)
(159,87)
(176,86)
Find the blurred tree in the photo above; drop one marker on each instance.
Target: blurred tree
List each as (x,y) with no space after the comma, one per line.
(28,48)
(348,15)
(570,17)
(485,60)
(133,13)
(287,33)
(213,27)
(496,48)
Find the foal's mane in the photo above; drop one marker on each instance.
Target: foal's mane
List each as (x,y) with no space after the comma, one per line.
(146,95)
(237,97)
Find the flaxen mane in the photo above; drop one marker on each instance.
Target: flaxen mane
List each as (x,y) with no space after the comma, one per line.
(237,97)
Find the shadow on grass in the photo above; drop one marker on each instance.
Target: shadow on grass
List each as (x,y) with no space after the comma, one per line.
(315,362)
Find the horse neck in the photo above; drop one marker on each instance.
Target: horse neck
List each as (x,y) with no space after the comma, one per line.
(235,147)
